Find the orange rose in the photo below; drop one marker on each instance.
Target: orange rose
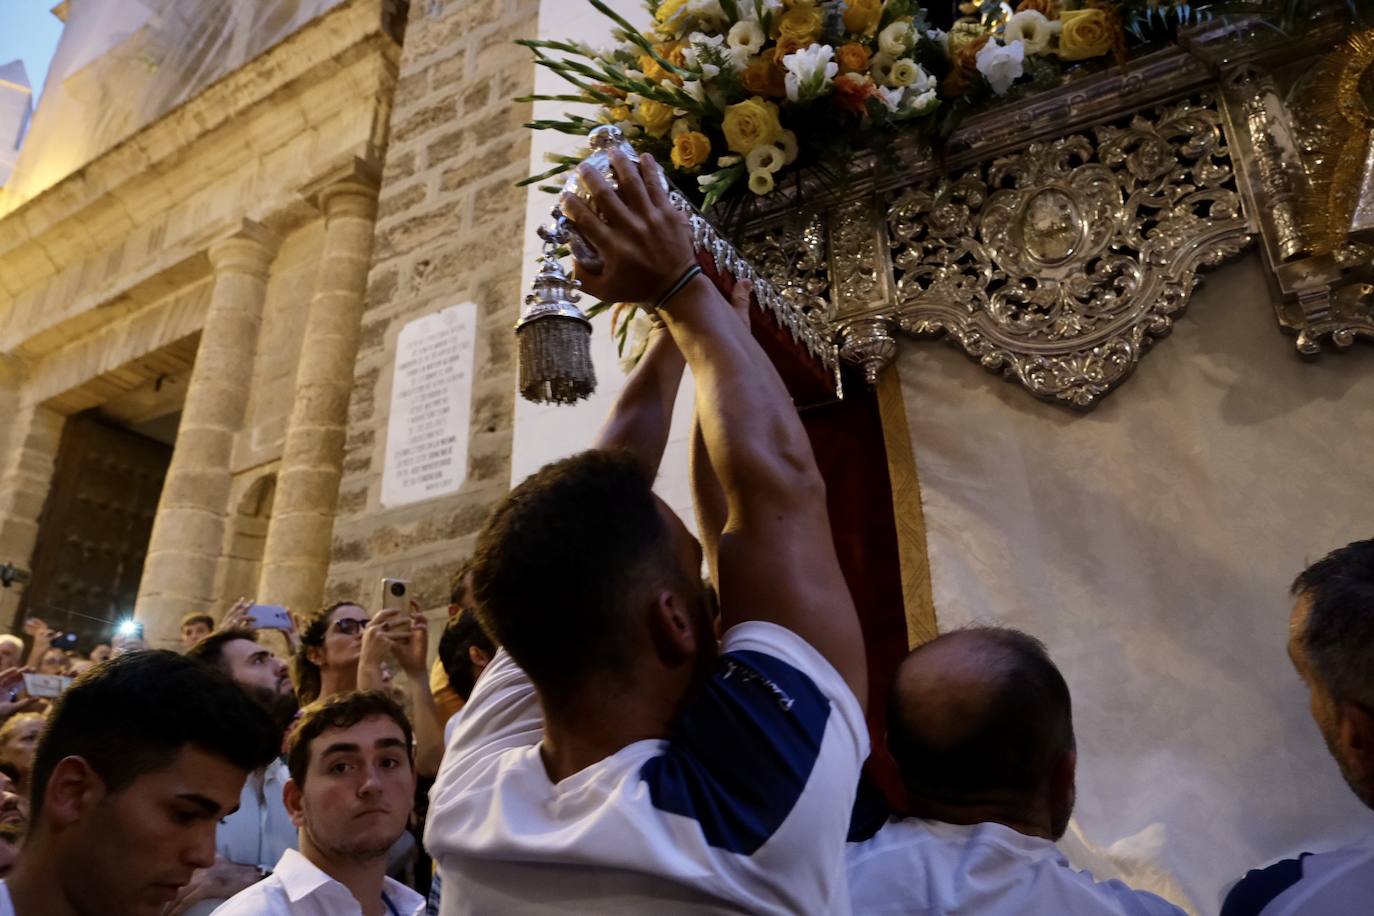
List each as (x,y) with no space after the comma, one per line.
(766,78)
(786,46)
(965,61)
(853,90)
(852,58)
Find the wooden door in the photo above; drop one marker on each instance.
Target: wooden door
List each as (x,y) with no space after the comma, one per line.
(93,534)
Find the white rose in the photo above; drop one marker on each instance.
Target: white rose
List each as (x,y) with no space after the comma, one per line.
(1032,29)
(904,73)
(747,35)
(809,72)
(765,158)
(895,40)
(881,68)
(761,182)
(789,147)
(1001,64)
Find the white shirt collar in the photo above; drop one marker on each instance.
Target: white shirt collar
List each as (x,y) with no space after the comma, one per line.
(299,878)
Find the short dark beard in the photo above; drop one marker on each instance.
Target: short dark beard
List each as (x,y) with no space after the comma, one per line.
(281,707)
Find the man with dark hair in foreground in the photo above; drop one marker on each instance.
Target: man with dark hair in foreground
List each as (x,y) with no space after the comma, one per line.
(350,793)
(1331,643)
(251,840)
(980,725)
(612,759)
(140,759)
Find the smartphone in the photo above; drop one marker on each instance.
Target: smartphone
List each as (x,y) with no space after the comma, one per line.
(269,617)
(46,685)
(395,594)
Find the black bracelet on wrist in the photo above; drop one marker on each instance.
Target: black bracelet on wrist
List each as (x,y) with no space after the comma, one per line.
(678,287)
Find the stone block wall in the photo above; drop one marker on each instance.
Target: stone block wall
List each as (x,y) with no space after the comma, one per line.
(449,231)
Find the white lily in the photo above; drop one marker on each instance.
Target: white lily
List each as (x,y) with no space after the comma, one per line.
(809,72)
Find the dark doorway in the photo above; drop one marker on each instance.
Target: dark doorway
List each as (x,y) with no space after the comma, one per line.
(93,534)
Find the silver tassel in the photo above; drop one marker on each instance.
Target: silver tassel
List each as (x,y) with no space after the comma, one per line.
(554,338)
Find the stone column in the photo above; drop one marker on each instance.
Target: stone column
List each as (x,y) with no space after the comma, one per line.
(296,558)
(188,533)
(28,456)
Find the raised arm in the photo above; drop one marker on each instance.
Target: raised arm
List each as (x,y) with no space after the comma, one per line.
(777,556)
(642,415)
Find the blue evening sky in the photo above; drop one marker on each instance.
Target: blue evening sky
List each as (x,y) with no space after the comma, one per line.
(29,31)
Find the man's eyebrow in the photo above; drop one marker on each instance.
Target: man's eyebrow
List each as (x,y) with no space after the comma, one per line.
(340,747)
(260,654)
(208,805)
(390,742)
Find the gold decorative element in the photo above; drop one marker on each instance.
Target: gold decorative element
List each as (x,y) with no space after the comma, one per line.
(908,514)
(1338,205)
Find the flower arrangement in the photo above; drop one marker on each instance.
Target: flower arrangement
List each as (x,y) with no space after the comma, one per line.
(736,94)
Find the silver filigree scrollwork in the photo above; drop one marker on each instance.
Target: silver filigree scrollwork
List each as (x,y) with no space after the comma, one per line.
(1060,264)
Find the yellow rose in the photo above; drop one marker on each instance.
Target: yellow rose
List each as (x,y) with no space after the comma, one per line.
(751,123)
(1085,33)
(852,58)
(656,117)
(802,24)
(690,150)
(862,16)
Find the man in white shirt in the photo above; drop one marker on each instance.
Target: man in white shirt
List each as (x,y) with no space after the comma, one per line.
(351,791)
(980,725)
(140,759)
(612,758)
(1331,643)
(251,840)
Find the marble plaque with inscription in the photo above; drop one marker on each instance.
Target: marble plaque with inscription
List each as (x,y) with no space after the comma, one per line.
(431,403)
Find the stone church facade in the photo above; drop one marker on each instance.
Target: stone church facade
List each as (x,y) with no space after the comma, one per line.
(197,324)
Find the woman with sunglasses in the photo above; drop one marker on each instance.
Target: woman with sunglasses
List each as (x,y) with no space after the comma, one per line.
(331,644)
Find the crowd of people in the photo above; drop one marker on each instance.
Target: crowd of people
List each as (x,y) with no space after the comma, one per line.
(604,729)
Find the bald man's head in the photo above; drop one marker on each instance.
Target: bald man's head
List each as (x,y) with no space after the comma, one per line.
(980,717)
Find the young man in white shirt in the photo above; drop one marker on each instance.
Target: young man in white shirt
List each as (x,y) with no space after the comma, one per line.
(251,840)
(1331,643)
(140,759)
(351,791)
(980,725)
(612,758)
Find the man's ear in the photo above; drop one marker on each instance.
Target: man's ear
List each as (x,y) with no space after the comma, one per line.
(479,657)
(1063,791)
(292,798)
(1356,734)
(670,628)
(73,790)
